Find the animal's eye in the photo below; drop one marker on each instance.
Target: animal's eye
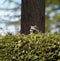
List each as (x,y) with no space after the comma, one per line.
(34,31)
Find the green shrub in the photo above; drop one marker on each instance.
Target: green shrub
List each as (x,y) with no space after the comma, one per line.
(32,47)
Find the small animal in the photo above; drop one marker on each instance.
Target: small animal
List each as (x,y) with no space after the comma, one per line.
(34,29)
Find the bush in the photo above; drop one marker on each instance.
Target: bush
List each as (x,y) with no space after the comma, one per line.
(32,47)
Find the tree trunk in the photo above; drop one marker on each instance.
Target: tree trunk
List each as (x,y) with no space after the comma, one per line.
(32,13)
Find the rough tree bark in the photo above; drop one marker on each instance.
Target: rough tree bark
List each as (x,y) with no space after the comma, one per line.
(32,13)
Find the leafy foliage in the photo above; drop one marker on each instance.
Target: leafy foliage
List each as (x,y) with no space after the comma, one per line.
(32,47)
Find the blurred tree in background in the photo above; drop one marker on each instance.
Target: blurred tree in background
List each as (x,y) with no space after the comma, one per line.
(10,15)
(32,13)
(15,10)
(52,15)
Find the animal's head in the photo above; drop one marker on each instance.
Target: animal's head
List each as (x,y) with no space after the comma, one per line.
(34,29)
